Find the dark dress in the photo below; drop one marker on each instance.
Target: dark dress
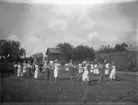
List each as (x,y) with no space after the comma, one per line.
(101,71)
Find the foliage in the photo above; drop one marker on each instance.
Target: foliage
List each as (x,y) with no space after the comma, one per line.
(80,52)
(11,49)
(109,49)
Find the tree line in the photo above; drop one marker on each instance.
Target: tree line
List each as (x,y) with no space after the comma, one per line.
(12,50)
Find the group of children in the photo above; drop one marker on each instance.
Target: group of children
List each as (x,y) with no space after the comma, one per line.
(86,68)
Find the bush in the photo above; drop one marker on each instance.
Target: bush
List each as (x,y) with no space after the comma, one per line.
(121,59)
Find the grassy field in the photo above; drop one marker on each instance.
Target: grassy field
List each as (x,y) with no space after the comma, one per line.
(124,89)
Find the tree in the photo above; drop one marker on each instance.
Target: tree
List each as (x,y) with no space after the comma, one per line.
(82,52)
(11,49)
(119,47)
(105,49)
(38,57)
(66,48)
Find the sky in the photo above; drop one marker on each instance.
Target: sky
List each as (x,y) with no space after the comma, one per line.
(42,24)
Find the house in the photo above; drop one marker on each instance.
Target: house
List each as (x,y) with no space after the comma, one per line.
(131,49)
(55,53)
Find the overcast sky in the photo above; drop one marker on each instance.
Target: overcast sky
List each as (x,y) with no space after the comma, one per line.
(39,24)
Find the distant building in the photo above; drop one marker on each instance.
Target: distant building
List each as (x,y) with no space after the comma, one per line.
(131,49)
(55,53)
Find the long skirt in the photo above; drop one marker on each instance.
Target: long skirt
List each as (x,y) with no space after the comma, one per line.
(106,71)
(85,76)
(67,69)
(36,73)
(96,71)
(80,70)
(112,74)
(19,73)
(55,72)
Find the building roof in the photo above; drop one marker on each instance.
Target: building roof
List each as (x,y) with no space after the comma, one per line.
(135,48)
(53,51)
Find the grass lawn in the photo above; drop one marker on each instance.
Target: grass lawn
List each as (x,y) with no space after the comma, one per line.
(27,89)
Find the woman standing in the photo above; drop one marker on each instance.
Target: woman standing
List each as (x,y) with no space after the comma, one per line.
(56,70)
(19,71)
(85,75)
(113,72)
(106,68)
(101,70)
(24,67)
(96,71)
(46,70)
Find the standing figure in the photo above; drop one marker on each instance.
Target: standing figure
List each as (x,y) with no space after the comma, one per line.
(80,68)
(113,72)
(29,67)
(19,71)
(36,73)
(96,71)
(85,75)
(106,68)
(101,70)
(66,67)
(15,68)
(92,68)
(24,68)
(46,70)
(52,64)
(71,70)
(56,70)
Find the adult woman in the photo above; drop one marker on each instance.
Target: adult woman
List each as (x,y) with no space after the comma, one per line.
(85,75)
(106,68)
(101,70)
(56,70)
(46,70)
(19,71)
(113,72)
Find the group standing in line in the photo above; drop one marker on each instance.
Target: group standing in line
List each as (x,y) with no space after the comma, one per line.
(86,68)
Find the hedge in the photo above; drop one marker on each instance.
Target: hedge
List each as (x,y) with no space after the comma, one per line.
(121,59)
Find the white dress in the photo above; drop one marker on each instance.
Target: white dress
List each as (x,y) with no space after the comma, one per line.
(56,70)
(96,71)
(19,71)
(36,73)
(85,75)
(66,67)
(107,69)
(113,72)
(80,68)
(24,67)
(92,68)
